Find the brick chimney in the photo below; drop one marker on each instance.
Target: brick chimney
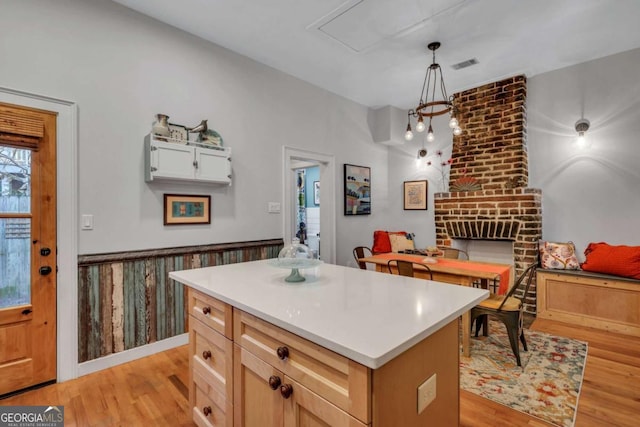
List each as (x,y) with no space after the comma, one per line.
(493,150)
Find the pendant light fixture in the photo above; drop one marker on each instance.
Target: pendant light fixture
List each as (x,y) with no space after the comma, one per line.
(429,107)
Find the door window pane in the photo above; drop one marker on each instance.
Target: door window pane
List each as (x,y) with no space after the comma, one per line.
(15,262)
(15,180)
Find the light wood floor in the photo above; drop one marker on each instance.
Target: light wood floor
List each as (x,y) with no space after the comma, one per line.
(152,391)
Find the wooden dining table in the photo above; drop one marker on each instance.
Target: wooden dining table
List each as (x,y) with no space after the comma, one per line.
(454,271)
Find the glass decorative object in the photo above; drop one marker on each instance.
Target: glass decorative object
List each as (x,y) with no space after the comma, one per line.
(295,256)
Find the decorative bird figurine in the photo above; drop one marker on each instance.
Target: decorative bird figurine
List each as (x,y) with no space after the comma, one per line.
(202,127)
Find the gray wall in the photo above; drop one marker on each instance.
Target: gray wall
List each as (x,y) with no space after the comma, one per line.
(122,68)
(590,194)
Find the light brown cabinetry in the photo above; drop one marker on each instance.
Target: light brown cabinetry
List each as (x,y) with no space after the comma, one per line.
(211,361)
(284,380)
(599,301)
(246,372)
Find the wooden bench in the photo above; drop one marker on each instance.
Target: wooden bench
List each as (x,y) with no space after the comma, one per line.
(599,301)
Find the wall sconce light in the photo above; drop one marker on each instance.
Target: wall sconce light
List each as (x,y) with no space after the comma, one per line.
(582,126)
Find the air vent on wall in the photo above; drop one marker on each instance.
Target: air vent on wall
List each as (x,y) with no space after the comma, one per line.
(465,64)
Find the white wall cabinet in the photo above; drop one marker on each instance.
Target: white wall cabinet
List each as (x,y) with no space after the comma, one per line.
(175,161)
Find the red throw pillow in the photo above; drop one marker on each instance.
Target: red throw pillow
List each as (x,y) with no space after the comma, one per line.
(381,241)
(617,260)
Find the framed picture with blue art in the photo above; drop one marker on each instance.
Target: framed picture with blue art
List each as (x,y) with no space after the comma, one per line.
(183,209)
(357,190)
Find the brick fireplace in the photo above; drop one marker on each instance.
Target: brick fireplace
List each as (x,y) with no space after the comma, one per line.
(492,149)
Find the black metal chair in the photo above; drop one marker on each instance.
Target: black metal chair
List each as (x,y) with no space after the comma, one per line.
(361,252)
(406,268)
(508,309)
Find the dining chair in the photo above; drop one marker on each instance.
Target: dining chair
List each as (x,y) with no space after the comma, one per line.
(508,309)
(361,252)
(453,253)
(406,268)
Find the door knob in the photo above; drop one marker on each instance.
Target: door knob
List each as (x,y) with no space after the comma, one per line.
(45,251)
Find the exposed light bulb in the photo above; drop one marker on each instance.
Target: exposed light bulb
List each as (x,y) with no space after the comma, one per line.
(457,131)
(420,125)
(430,136)
(582,126)
(408,135)
(453,123)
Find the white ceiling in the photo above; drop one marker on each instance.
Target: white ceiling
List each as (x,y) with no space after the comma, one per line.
(374,51)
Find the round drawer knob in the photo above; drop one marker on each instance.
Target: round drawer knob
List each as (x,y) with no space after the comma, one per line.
(286,390)
(206,354)
(283,352)
(206,310)
(274,382)
(206,411)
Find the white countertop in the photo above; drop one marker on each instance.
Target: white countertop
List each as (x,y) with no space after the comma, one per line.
(367,316)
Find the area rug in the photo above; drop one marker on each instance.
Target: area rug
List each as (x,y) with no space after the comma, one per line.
(547,386)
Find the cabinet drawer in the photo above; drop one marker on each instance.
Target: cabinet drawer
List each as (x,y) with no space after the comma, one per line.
(210,409)
(212,312)
(305,408)
(341,381)
(212,356)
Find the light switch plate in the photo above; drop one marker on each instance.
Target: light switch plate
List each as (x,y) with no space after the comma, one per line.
(87,222)
(426,393)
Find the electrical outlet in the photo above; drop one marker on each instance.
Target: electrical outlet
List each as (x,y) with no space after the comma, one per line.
(426,393)
(273,207)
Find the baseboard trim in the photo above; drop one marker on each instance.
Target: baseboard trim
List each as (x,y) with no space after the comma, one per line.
(132,354)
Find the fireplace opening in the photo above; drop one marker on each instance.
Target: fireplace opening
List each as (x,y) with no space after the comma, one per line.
(498,251)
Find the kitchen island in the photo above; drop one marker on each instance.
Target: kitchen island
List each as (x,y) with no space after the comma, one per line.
(346,347)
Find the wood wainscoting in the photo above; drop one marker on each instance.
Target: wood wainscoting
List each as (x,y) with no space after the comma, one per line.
(126,299)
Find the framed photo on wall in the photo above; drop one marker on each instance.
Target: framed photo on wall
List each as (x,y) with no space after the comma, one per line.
(316,192)
(415,195)
(181,209)
(357,190)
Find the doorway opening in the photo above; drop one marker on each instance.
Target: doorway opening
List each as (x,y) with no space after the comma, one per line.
(307,223)
(295,161)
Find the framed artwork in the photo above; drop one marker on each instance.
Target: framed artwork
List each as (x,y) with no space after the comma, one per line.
(178,133)
(357,190)
(415,195)
(316,192)
(180,209)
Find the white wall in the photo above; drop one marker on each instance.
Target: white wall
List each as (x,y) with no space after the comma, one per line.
(122,68)
(404,165)
(593,194)
(589,195)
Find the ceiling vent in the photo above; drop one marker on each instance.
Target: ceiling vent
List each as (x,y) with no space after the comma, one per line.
(465,64)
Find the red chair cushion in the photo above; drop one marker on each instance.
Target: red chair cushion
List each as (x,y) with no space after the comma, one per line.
(617,260)
(381,241)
